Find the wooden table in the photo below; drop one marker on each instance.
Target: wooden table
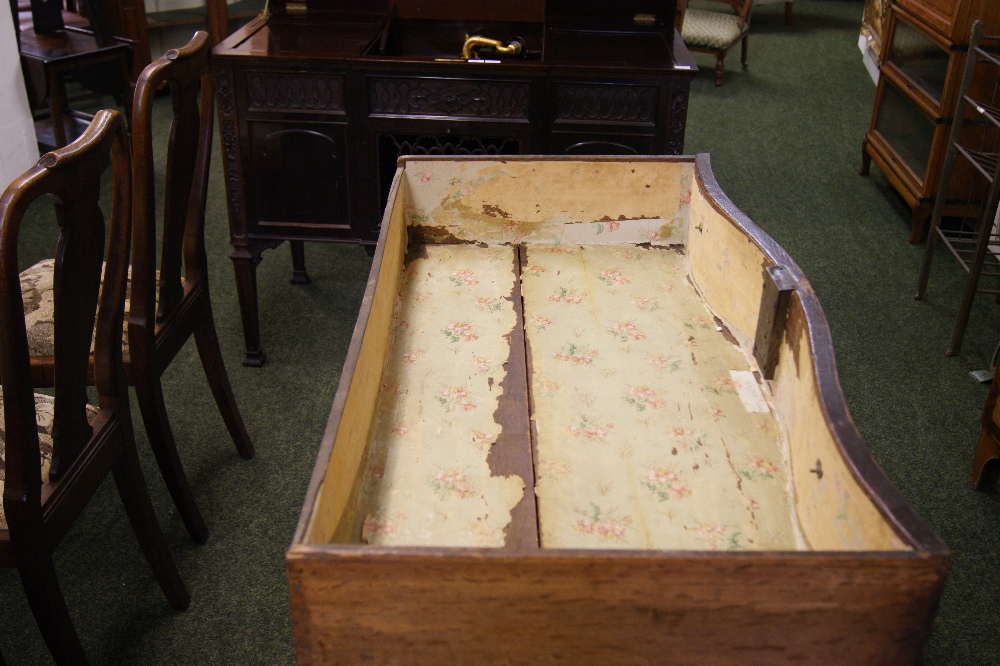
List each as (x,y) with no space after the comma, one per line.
(51,56)
(315,109)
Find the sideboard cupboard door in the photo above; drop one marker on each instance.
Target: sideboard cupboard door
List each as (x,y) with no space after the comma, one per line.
(302,179)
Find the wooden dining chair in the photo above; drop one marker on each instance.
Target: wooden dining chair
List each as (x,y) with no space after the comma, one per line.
(166,306)
(57,450)
(715,27)
(169,301)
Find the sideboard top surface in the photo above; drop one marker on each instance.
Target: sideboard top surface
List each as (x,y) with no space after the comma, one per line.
(352,39)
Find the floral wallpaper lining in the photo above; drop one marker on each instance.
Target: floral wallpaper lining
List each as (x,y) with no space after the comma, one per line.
(643,438)
(652,430)
(427,477)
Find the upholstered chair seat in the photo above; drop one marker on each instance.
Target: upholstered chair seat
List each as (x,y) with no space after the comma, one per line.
(44,417)
(36,290)
(715,27)
(711,30)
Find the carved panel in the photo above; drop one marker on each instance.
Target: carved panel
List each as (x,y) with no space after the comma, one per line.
(606,102)
(288,91)
(224,88)
(227,129)
(678,119)
(450,97)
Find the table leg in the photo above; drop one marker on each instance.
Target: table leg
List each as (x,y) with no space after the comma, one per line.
(56,103)
(921,213)
(246,290)
(299,275)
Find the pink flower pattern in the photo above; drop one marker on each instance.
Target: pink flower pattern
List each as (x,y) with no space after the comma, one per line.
(642,397)
(463,278)
(455,397)
(605,525)
(564,295)
(665,483)
(612,277)
(451,482)
(626,331)
(589,430)
(577,355)
(460,331)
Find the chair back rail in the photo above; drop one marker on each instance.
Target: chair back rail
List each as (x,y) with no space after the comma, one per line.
(188,157)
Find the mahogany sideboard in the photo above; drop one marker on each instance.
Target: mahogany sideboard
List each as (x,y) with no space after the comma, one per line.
(318,101)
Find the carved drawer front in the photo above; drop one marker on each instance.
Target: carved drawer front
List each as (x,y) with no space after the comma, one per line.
(505,100)
(602,102)
(295,91)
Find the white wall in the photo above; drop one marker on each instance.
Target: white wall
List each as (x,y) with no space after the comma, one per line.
(18,147)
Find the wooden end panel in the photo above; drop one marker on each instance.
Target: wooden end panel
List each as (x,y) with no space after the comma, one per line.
(726,264)
(459,607)
(334,508)
(835,510)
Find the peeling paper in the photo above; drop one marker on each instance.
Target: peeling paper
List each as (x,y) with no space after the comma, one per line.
(427,479)
(577,202)
(749,391)
(643,440)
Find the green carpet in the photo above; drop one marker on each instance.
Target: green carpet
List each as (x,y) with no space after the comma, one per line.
(785,139)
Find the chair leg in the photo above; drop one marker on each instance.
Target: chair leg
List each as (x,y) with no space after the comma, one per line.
(41,585)
(149,395)
(743,51)
(788,13)
(135,496)
(720,67)
(215,370)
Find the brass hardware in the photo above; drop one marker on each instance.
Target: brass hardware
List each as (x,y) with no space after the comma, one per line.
(475,41)
(644,19)
(295,8)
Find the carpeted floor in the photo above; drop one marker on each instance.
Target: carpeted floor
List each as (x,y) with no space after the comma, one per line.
(785,138)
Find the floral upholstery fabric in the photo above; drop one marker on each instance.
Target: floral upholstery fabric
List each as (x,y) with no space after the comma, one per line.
(708,29)
(44,415)
(36,291)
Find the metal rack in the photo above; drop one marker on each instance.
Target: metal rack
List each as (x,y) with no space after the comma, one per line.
(974,157)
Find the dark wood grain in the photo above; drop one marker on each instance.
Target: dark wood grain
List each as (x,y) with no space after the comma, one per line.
(512,452)
(434,606)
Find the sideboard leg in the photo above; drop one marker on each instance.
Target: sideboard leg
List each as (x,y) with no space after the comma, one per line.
(299,275)
(246,290)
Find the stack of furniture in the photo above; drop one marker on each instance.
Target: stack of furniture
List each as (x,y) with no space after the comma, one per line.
(67,47)
(973,149)
(46,319)
(58,450)
(921,64)
(132,19)
(318,99)
(169,296)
